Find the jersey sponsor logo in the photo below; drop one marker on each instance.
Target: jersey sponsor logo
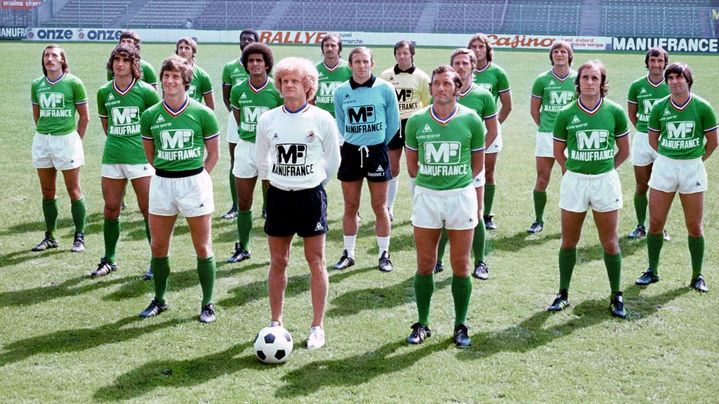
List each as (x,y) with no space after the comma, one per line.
(680,136)
(666,112)
(486,86)
(111,97)
(177,139)
(403,94)
(560,97)
(648,104)
(575,120)
(243,96)
(442,152)
(427,128)
(192,90)
(160,119)
(592,140)
(52,100)
(552,83)
(250,116)
(361,114)
(643,91)
(328,88)
(125,121)
(292,160)
(680,130)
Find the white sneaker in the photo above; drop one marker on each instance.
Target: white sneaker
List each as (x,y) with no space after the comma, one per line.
(316,339)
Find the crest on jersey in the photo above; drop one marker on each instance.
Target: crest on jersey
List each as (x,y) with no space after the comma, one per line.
(644,91)
(243,96)
(160,119)
(111,97)
(426,129)
(575,120)
(311,136)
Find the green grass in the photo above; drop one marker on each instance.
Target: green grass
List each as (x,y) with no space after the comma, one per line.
(64,337)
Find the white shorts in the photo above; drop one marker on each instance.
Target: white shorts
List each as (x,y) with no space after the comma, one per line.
(454,209)
(642,154)
(127,171)
(245,160)
(601,192)
(191,196)
(479,180)
(496,146)
(232,135)
(683,176)
(63,152)
(545,145)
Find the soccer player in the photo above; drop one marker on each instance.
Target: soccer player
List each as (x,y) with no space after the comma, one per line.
(367,115)
(683,131)
(250,99)
(643,94)
(201,86)
(589,129)
(232,74)
(298,152)
(445,196)
(463,61)
(180,137)
(149,75)
(412,87)
(120,104)
(551,91)
(57,145)
(333,71)
(493,78)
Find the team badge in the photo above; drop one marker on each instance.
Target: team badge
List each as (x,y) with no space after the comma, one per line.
(311,136)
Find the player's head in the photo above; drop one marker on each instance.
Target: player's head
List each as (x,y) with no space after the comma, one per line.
(361,62)
(479,43)
(559,45)
(463,61)
(442,76)
(656,53)
(679,69)
(361,50)
(54,54)
(258,48)
(248,36)
(331,39)
(175,63)
(186,48)
(591,70)
(127,52)
(404,50)
(130,37)
(299,68)
(463,52)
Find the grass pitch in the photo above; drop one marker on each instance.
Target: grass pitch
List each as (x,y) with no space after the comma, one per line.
(64,337)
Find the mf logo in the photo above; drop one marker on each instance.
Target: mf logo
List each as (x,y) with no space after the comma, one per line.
(486,86)
(52,100)
(592,140)
(680,130)
(441,152)
(125,115)
(192,90)
(252,114)
(328,88)
(648,104)
(362,114)
(291,154)
(403,94)
(179,139)
(560,97)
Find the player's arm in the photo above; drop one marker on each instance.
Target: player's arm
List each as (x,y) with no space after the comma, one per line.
(491,125)
(411,146)
(35,113)
(632,112)
(535,106)
(622,150)
(560,142)
(212,147)
(391,115)
(209,99)
(148,143)
(103,122)
(412,161)
(83,113)
(711,143)
(506,99)
(477,162)
(226,87)
(262,148)
(653,138)
(331,149)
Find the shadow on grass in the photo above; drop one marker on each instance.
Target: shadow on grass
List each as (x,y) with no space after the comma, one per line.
(71,287)
(254,291)
(64,223)
(529,334)
(80,339)
(355,370)
(519,241)
(366,229)
(18,257)
(596,253)
(177,373)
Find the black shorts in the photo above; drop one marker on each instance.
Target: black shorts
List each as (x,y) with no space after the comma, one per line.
(359,162)
(296,212)
(397,141)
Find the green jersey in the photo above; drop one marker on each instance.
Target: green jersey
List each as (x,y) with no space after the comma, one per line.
(122,109)
(480,100)
(682,127)
(590,135)
(57,101)
(555,92)
(179,136)
(329,79)
(149,75)
(233,73)
(493,79)
(200,84)
(252,103)
(644,94)
(445,146)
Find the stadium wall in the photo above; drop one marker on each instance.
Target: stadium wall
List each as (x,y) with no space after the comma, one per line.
(501,41)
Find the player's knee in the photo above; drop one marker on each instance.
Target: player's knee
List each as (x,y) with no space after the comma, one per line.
(244,202)
(203,251)
(351,207)
(695,229)
(111,212)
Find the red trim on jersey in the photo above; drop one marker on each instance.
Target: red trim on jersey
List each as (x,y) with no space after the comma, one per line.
(478,71)
(559,77)
(469,90)
(127,90)
(441,121)
(260,88)
(681,107)
(300,110)
(653,84)
(179,111)
(331,69)
(52,83)
(590,111)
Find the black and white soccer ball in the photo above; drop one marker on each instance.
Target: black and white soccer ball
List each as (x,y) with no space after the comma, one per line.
(273,344)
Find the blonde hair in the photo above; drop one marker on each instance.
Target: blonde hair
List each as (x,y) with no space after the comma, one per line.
(302,67)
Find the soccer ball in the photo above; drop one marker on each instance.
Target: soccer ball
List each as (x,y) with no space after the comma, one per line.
(273,344)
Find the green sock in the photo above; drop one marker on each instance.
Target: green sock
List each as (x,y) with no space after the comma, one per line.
(478,243)
(206,270)
(147,231)
(614,271)
(696,251)
(443,239)
(244,228)
(654,247)
(640,206)
(567,260)
(111,232)
(461,292)
(488,198)
(233,189)
(79,211)
(540,201)
(161,273)
(49,212)
(423,289)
